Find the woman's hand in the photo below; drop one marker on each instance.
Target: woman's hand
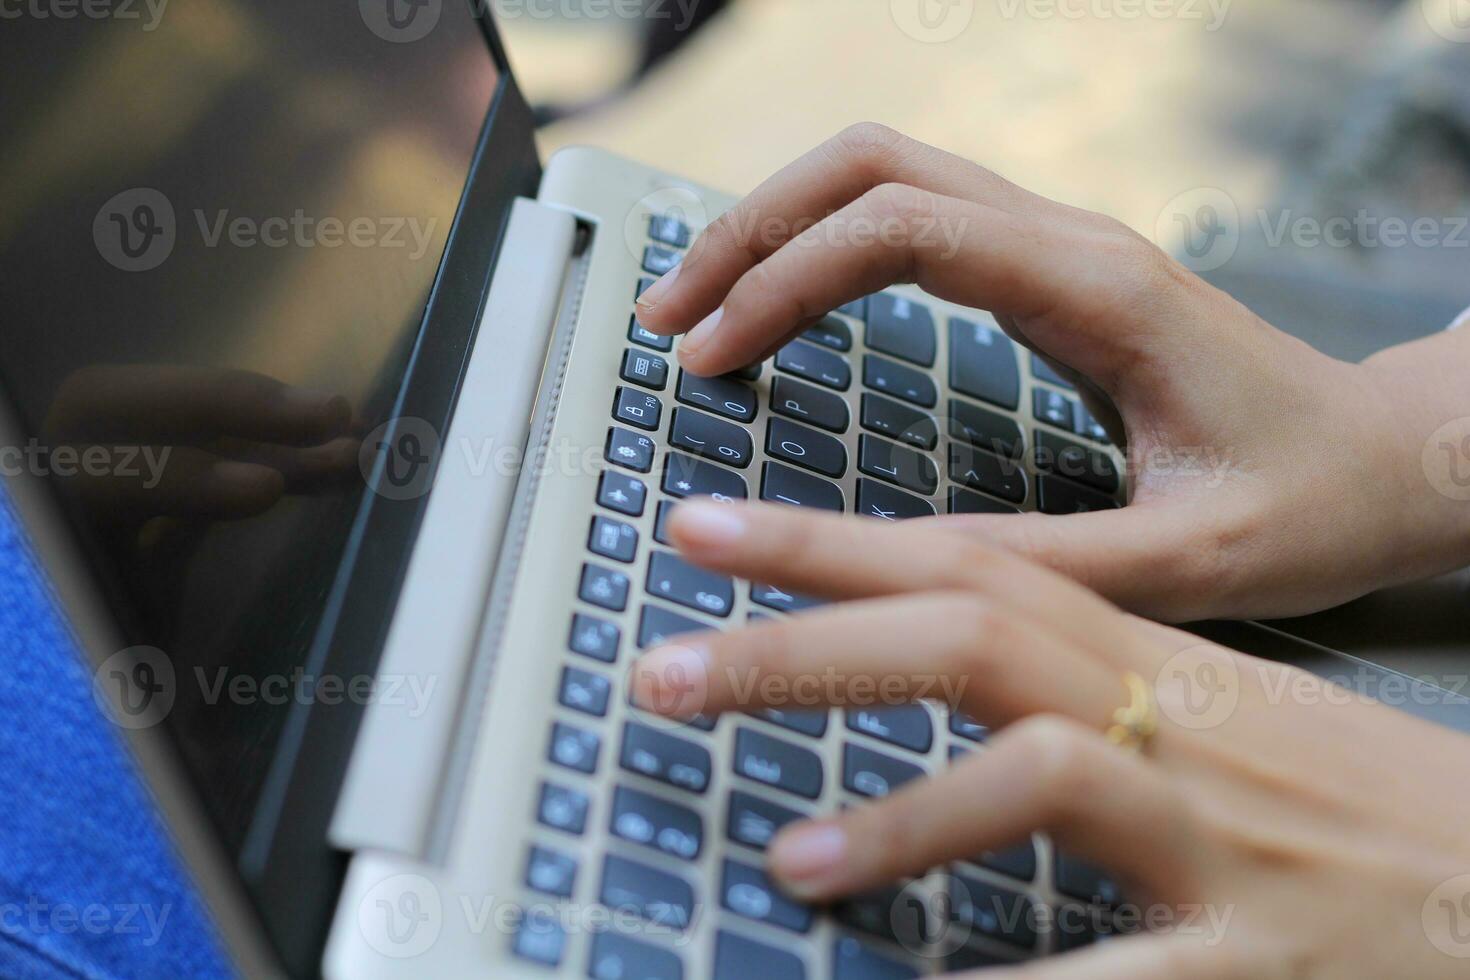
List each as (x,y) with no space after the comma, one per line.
(1266,479)
(1325,835)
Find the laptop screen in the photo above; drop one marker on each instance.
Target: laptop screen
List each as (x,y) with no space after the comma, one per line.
(222,221)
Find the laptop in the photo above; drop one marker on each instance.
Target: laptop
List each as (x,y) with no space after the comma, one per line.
(350,463)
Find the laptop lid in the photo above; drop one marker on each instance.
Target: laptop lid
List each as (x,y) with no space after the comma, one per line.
(239,238)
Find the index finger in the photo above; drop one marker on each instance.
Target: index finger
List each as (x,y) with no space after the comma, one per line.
(834,174)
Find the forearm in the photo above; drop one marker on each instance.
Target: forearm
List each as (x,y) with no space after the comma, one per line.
(1426,386)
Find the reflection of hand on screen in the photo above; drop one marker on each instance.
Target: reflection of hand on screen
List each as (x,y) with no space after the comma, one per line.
(134,442)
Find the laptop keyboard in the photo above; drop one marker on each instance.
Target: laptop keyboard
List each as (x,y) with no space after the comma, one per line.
(681,824)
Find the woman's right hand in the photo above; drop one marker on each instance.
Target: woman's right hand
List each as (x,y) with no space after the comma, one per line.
(1265,478)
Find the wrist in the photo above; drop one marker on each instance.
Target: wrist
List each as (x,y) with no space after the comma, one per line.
(1421,398)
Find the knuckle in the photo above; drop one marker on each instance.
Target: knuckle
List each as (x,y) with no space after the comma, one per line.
(894,201)
(869,141)
(1061,755)
(728,232)
(1143,276)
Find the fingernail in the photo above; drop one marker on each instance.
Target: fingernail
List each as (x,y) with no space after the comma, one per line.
(655,293)
(708,524)
(672,680)
(807,856)
(702,332)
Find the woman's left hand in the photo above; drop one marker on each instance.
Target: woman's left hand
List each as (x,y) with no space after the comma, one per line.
(1326,834)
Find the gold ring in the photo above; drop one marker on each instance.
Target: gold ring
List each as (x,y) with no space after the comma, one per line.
(1134,725)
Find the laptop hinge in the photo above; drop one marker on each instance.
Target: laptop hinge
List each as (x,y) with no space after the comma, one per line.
(392,785)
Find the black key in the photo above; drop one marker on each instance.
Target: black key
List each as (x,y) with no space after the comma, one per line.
(989,430)
(806,447)
(996,475)
(540,938)
(641,368)
(809,404)
(882,501)
(612,539)
(965,502)
(982,364)
(659,755)
(629,449)
(661,522)
(1057,496)
(995,911)
(639,334)
(659,897)
(1018,862)
(671,577)
(738,958)
(957,751)
(1045,372)
(887,912)
(1085,464)
(774,598)
(562,809)
(747,892)
(604,587)
(705,435)
(814,364)
(1089,427)
(1052,407)
(622,493)
(754,821)
(645,819)
(575,748)
(852,959)
(669,230)
(722,396)
(900,327)
(659,261)
(637,408)
(857,309)
(685,476)
(657,625)
(907,725)
(595,638)
(584,691)
(870,773)
(1081,880)
(645,283)
(784,485)
(551,872)
(830,332)
(751,372)
(811,722)
(964,726)
(899,421)
(617,957)
(896,464)
(899,380)
(776,763)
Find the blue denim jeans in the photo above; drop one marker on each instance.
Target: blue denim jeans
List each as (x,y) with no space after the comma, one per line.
(90,885)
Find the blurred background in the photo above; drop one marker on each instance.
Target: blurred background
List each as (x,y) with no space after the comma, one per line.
(1299,111)
(1312,157)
